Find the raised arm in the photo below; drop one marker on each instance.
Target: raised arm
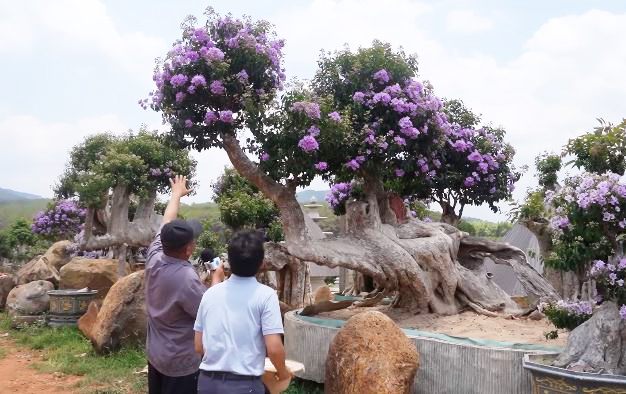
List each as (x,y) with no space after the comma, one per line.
(179,189)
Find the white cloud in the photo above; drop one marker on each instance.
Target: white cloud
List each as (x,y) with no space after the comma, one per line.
(76,26)
(34,152)
(468,21)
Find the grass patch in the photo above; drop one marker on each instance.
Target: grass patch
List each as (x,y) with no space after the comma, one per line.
(299,386)
(67,351)
(3,353)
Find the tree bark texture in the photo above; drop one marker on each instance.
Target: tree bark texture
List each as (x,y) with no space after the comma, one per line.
(431,267)
(119,230)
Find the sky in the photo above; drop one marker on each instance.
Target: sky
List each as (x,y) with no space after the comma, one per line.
(543,70)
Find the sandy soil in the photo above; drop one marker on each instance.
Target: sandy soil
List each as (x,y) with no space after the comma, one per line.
(467,324)
(17,376)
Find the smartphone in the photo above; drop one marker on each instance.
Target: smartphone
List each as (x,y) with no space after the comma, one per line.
(215,263)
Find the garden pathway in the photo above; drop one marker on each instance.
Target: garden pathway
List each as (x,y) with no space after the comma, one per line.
(18,376)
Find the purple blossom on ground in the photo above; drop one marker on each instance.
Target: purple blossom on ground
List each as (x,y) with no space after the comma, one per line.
(226,116)
(217,87)
(198,80)
(265,156)
(308,143)
(381,76)
(335,116)
(322,165)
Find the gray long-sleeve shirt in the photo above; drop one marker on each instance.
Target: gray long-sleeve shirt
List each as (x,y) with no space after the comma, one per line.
(173,294)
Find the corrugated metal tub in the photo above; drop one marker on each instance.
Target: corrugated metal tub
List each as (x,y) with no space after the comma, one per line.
(447,364)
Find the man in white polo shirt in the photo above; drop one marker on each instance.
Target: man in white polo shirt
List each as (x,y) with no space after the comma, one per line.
(238,323)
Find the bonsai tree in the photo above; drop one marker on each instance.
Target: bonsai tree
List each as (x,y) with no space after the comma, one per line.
(365,119)
(473,167)
(107,173)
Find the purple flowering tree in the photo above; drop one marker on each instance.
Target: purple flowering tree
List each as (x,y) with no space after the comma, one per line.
(473,167)
(364,118)
(107,173)
(62,220)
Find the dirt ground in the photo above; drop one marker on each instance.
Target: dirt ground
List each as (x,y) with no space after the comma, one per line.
(467,324)
(18,376)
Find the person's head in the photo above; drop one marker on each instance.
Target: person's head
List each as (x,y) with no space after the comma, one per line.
(246,253)
(207,255)
(178,238)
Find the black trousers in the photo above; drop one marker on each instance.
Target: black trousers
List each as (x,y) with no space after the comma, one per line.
(163,384)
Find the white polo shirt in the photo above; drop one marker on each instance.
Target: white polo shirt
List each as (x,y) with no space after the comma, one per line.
(233,317)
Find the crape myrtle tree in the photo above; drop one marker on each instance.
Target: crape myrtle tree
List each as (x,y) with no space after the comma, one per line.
(473,167)
(108,173)
(364,119)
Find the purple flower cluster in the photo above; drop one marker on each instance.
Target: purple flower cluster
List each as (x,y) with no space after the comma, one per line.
(602,195)
(579,308)
(308,143)
(160,173)
(311,109)
(212,48)
(338,194)
(64,219)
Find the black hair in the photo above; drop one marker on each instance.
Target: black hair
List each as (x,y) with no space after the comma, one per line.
(207,255)
(246,253)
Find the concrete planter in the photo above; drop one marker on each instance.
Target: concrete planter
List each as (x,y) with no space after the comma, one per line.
(553,380)
(67,306)
(447,364)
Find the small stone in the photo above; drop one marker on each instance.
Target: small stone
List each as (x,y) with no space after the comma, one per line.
(322,294)
(536,315)
(29,299)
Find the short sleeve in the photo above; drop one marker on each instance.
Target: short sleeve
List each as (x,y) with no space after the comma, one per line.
(271,320)
(191,293)
(198,325)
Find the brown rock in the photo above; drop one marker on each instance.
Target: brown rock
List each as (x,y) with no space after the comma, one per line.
(58,255)
(121,319)
(370,355)
(322,294)
(30,298)
(7,283)
(96,274)
(37,269)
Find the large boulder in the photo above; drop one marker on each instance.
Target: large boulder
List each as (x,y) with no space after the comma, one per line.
(37,269)
(121,319)
(96,274)
(29,299)
(370,355)
(58,254)
(7,283)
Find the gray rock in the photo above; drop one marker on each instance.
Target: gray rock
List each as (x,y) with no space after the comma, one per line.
(7,283)
(536,315)
(29,299)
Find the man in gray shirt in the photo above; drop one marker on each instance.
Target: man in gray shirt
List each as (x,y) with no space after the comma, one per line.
(173,294)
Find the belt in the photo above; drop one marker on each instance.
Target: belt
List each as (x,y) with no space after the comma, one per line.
(228,375)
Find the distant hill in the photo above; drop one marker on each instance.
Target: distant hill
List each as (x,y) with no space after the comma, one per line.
(10,211)
(305,196)
(12,195)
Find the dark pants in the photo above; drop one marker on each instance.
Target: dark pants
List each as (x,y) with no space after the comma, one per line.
(163,384)
(216,385)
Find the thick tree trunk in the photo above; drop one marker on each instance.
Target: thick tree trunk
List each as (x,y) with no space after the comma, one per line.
(597,345)
(448,215)
(415,260)
(138,233)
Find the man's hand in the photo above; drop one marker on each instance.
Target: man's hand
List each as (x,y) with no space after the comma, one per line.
(179,186)
(179,189)
(217,275)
